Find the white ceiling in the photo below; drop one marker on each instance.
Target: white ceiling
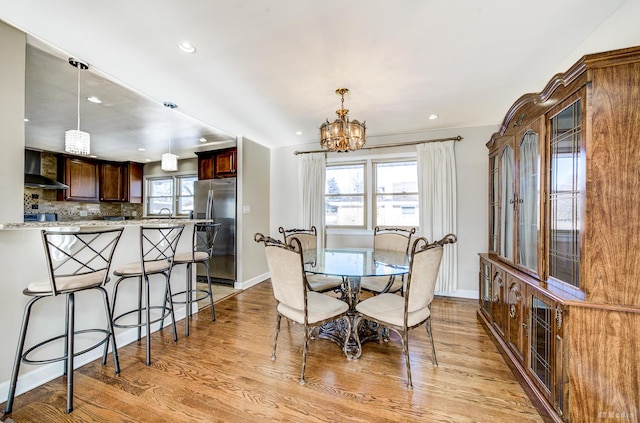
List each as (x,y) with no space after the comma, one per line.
(267,69)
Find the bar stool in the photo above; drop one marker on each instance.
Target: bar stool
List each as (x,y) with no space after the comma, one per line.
(204,237)
(77,261)
(158,245)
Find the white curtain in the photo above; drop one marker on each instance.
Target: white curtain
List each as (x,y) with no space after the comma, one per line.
(438,209)
(312,177)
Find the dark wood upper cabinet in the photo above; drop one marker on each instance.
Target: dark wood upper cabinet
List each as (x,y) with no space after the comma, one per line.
(121,182)
(133,186)
(96,180)
(217,163)
(81,175)
(112,181)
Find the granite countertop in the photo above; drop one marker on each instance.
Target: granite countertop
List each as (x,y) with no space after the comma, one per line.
(98,223)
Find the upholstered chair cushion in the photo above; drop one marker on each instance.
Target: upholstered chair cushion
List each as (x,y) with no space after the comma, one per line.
(319,307)
(68,282)
(378,283)
(389,308)
(323,283)
(391,241)
(136,268)
(307,241)
(286,276)
(424,274)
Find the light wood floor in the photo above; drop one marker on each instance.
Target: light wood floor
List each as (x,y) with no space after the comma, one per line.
(223,373)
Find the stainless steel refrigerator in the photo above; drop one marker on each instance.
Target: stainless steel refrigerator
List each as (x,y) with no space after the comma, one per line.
(216,199)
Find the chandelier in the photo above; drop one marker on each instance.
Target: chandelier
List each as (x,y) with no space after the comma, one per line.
(75,140)
(342,135)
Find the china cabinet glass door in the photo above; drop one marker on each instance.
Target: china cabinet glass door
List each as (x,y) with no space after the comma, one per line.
(507,202)
(565,203)
(528,200)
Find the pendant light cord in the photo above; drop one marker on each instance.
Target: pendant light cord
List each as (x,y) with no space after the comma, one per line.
(78,67)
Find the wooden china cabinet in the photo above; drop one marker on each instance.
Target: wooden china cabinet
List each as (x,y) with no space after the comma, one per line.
(559,285)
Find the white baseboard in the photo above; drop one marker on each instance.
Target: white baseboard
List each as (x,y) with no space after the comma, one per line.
(254,281)
(461,293)
(47,372)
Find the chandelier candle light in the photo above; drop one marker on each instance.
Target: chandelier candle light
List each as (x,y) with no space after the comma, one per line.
(75,140)
(343,135)
(169,161)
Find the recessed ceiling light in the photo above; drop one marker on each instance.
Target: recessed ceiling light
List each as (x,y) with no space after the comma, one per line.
(432,117)
(186,47)
(299,133)
(147,160)
(141,149)
(203,139)
(93,156)
(26,119)
(94,99)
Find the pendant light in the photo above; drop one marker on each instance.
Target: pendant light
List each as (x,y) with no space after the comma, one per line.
(169,161)
(75,140)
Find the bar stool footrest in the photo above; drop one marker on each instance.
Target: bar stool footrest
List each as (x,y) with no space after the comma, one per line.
(203,297)
(165,314)
(25,355)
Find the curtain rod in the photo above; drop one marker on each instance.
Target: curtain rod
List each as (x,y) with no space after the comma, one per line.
(401,144)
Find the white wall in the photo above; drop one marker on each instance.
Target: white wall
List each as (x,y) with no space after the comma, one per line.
(472,174)
(12,92)
(253,210)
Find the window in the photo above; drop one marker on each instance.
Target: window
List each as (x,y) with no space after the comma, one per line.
(164,193)
(392,196)
(396,195)
(345,195)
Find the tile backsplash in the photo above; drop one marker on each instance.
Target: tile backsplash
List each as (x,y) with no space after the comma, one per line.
(44,201)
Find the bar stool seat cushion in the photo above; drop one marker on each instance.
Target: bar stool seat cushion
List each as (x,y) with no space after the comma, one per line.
(68,282)
(182,258)
(319,307)
(136,268)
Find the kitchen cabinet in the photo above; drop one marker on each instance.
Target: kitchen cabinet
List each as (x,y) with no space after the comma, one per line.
(121,182)
(81,175)
(112,181)
(562,244)
(225,163)
(217,163)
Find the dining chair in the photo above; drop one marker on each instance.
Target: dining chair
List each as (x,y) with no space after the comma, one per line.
(77,261)
(392,239)
(309,241)
(158,245)
(295,302)
(402,313)
(203,240)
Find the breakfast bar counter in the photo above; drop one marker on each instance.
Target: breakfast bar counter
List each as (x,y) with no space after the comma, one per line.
(22,260)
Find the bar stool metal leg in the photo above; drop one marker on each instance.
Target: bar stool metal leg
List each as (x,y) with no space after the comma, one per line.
(16,364)
(71,303)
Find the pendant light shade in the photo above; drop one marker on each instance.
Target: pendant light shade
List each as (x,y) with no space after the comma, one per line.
(75,140)
(169,161)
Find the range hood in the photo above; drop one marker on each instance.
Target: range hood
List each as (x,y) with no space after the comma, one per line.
(32,172)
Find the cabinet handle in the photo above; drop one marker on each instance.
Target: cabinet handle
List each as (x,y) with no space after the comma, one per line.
(512,311)
(496,298)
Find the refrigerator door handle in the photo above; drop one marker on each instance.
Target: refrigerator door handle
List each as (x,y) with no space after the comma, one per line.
(209,211)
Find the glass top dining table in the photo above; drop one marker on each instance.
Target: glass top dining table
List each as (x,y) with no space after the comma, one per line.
(355,262)
(352,264)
